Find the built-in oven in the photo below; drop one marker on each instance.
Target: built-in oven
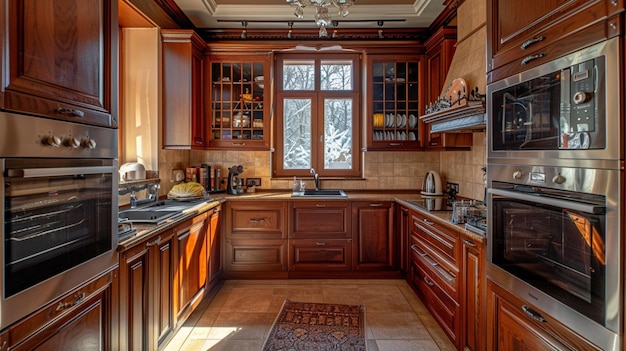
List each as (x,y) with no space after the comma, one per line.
(566,109)
(59,209)
(554,241)
(555,172)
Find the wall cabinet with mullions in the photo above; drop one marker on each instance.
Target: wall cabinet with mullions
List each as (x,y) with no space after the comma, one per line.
(239,103)
(395,99)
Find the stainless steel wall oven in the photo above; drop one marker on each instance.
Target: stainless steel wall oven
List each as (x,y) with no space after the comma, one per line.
(555,175)
(59,202)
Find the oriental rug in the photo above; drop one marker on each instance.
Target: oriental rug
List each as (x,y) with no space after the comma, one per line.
(306,326)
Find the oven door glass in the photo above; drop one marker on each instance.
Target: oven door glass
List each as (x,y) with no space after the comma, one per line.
(57,215)
(556,250)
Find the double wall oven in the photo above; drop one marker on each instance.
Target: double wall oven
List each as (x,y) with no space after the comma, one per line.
(59,206)
(555,190)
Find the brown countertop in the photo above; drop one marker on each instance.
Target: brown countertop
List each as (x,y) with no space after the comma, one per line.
(400,196)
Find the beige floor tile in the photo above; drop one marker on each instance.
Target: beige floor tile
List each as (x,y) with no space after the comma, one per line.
(241,313)
(406,345)
(397,326)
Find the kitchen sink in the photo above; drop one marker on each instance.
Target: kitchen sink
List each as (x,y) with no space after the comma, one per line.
(320,193)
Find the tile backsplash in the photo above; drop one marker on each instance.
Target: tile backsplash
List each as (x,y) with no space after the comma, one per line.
(383,170)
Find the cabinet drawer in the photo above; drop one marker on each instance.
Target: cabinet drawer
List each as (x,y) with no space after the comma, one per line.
(438,240)
(258,220)
(443,275)
(256,255)
(444,309)
(320,255)
(320,219)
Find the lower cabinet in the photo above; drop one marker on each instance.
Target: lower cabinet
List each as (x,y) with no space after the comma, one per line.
(447,272)
(374,239)
(320,236)
(162,280)
(83,320)
(514,325)
(193,263)
(146,291)
(255,238)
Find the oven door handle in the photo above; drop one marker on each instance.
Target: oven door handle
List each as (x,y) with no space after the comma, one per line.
(550,201)
(54,172)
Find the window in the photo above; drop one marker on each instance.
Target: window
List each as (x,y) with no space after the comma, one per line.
(318,125)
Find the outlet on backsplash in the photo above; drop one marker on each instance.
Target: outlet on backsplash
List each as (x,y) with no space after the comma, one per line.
(452,187)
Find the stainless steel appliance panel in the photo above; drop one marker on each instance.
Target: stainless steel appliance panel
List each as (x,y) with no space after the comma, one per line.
(59,209)
(563,110)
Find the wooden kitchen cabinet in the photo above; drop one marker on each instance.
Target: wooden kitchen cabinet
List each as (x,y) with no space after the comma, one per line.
(515,325)
(61,59)
(214,236)
(374,237)
(238,91)
(473,290)
(147,288)
(434,271)
(403,226)
(255,237)
(183,89)
(522,35)
(320,236)
(395,101)
(80,320)
(193,264)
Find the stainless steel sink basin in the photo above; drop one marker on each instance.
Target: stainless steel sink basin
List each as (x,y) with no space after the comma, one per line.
(320,193)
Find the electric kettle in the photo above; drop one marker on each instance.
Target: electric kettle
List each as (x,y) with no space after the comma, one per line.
(432,184)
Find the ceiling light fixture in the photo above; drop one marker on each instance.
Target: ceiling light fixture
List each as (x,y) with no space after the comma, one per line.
(323,17)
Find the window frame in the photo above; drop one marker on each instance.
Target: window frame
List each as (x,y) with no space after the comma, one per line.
(318,97)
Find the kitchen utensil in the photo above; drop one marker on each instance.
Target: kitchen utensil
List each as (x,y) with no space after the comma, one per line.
(432,184)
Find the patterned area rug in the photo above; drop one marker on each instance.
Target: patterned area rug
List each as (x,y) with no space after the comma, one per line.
(310,326)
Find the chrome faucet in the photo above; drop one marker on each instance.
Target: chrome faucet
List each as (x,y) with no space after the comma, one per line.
(316,177)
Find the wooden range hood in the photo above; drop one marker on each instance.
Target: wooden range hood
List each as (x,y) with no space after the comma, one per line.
(469,67)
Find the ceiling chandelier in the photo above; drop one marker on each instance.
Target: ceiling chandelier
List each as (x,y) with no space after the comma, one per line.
(323,16)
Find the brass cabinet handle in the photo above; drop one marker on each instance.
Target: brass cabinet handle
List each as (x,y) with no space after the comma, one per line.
(239,144)
(376,205)
(320,243)
(254,220)
(527,59)
(321,205)
(532,41)
(65,305)
(70,111)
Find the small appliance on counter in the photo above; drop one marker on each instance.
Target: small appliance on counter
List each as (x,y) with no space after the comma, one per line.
(132,171)
(432,184)
(234,185)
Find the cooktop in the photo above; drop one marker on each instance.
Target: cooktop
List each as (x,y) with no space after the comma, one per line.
(434,203)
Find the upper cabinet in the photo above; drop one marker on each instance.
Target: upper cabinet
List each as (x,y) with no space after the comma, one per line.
(60,59)
(522,34)
(183,105)
(395,97)
(239,98)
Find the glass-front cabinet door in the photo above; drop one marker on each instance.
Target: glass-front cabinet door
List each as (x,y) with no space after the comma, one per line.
(239,102)
(395,100)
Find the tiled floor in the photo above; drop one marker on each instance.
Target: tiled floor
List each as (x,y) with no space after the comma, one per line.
(239,314)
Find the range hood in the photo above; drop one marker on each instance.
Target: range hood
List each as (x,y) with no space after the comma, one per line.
(461,105)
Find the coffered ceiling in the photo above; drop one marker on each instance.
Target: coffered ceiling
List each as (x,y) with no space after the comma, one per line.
(230,13)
